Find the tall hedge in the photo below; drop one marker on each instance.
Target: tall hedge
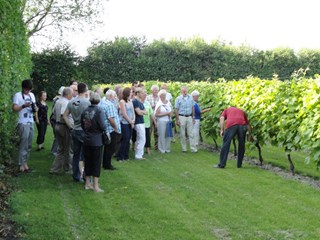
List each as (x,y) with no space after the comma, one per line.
(53,68)
(193,59)
(15,65)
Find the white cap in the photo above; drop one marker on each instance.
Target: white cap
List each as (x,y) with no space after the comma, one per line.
(61,90)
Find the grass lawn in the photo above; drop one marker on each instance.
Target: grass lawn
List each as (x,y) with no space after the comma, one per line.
(167,196)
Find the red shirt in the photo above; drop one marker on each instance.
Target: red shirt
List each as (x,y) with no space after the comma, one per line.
(234,116)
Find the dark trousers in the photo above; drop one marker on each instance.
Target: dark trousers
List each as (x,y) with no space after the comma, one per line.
(240,131)
(110,149)
(133,136)
(154,129)
(77,138)
(148,138)
(123,153)
(92,163)
(42,128)
(54,147)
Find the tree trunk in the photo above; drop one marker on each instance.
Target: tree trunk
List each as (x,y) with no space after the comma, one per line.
(215,144)
(234,147)
(291,164)
(260,154)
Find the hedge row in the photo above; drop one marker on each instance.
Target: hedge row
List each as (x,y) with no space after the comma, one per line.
(15,65)
(125,60)
(128,59)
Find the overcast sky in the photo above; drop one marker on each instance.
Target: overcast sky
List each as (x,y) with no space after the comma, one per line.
(263,24)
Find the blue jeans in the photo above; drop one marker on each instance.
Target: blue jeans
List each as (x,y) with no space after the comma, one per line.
(240,131)
(77,137)
(123,153)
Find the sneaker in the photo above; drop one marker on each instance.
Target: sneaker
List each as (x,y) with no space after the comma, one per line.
(218,166)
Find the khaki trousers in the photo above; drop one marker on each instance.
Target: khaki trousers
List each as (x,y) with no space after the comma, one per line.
(186,124)
(63,158)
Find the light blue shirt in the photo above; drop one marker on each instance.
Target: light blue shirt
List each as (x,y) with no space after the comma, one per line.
(184,104)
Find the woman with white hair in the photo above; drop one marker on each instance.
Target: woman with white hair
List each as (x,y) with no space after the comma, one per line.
(163,112)
(197,116)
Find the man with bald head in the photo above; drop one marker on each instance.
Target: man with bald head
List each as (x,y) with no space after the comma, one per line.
(63,159)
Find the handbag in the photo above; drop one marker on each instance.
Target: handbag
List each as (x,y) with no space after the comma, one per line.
(169,132)
(106,139)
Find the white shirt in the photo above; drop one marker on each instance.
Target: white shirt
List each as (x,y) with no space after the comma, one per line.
(60,107)
(25,114)
(164,108)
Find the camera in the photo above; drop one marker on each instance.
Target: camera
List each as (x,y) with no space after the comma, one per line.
(33,107)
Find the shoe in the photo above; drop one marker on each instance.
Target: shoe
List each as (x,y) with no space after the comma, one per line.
(90,187)
(218,166)
(38,149)
(112,168)
(142,158)
(194,151)
(78,180)
(98,190)
(29,170)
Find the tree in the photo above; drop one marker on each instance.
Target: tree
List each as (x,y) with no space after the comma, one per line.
(60,14)
(53,68)
(110,62)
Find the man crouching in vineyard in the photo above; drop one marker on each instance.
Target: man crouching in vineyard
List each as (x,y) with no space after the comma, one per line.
(233,121)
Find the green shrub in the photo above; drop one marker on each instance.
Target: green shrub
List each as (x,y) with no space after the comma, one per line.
(15,64)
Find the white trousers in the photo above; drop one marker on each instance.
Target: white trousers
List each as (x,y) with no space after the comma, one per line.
(196,131)
(140,141)
(164,142)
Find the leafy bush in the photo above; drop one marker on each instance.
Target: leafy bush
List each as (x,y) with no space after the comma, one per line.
(53,68)
(15,64)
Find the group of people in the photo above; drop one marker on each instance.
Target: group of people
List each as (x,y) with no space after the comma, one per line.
(81,119)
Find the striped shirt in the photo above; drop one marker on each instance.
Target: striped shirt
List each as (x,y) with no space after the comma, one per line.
(110,111)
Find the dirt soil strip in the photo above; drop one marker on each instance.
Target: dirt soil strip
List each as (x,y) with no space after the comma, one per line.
(277,170)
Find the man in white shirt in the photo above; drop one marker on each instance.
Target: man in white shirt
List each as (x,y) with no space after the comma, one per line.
(24,104)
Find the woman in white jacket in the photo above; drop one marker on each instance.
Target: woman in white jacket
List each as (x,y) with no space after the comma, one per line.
(163,112)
